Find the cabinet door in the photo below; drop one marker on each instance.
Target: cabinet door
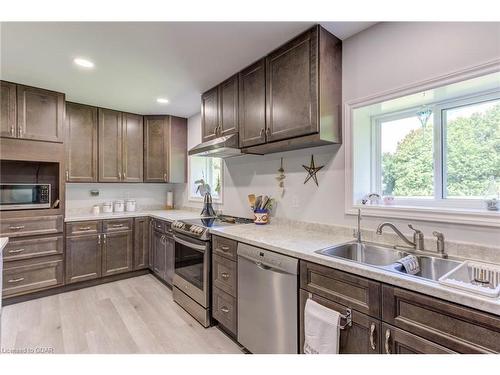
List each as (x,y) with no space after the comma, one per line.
(132,133)
(159,255)
(228,106)
(81,143)
(362,337)
(155,148)
(292,88)
(397,341)
(210,114)
(117,253)
(8,119)
(110,145)
(169,259)
(252,105)
(83,258)
(141,243)
(40,114)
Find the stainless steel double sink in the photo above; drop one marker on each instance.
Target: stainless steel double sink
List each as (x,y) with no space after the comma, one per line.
(431,268)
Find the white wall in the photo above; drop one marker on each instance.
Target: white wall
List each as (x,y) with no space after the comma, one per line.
(384,57)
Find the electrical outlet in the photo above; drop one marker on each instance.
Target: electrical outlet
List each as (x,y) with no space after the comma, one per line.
(94,193)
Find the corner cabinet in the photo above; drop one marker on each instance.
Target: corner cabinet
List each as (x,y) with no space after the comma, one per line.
(31,113)
(81,143)
(165,149)
(219,110)
(120,146)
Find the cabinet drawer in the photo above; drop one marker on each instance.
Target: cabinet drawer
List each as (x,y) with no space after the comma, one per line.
(20,248)
(225,275)
(458,328)
(30,226)
(117,224)
(349,290)
(29,275)
(83,227)
(224,310)
(362,337)
(224,247)
(158,225)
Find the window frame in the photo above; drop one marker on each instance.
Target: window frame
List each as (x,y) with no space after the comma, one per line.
(439,150)
(191,198)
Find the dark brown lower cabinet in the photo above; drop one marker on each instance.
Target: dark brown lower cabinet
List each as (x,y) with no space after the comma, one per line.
(162,250)
(397,341)
(83,258)
(117,250)
(362,337)
(141,243)
(159,254)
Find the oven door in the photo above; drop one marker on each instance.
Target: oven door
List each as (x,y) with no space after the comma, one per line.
(192,268)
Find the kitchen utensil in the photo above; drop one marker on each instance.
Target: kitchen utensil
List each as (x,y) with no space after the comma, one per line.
(251,200)
(130,205)
(258,201)
(264,202)
(107,207)
(119,205)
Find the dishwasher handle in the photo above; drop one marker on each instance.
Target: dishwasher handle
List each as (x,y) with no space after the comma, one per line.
(267,267)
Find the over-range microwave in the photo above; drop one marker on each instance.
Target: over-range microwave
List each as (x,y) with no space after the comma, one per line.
(24,196)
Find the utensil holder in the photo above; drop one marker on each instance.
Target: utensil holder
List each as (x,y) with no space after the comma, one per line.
(261,216)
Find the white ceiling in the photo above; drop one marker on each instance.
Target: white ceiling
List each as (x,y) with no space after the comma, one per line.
(137,62)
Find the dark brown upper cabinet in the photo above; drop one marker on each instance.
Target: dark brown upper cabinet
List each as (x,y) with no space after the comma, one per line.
(302,96)
(165,149)
(81,143)
(210,114)
(120,146)
(31,113)
(8,123)
(219,110)
(252,104)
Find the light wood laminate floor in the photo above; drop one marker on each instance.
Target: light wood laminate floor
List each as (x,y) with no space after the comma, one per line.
(135,315)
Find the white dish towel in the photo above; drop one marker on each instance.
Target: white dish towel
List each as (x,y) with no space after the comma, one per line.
(321,329)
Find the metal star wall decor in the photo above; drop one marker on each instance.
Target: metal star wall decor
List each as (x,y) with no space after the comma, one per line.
(311,171)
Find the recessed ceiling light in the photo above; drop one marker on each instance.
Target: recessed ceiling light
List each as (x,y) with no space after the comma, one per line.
(162,100)
(83,63)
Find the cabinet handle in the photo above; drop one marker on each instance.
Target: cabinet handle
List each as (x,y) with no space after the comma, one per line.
(104,238)
(67,175)
(224,248)
(99,239)
(12,131)
(225,275)
(117,225)
(387,338)
(84,228)
(124,175)
(16,251)
(165,177)
(19,227)
(372,338)
(15,280)
(262,132)
(120,176)
(268,132)
(224,309)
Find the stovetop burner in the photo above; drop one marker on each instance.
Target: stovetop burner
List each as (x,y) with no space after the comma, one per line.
(199,228)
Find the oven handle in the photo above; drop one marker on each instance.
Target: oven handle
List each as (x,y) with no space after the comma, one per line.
(190,244)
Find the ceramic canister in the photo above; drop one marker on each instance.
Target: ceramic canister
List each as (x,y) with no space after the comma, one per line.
(107,207)
(261,216)
(130,205)
(119,205)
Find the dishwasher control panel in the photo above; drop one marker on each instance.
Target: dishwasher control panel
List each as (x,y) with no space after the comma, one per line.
(268,258)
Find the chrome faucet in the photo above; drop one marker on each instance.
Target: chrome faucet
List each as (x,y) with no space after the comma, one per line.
(440,243)
(418,236)
(357,232)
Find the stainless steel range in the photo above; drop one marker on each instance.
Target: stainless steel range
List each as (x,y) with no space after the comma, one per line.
(192,267)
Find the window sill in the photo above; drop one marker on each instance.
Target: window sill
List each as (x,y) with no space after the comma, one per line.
(464,216)
(200,200)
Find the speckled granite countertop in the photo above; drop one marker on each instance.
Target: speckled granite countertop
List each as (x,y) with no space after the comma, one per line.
(169,215)
(302,244)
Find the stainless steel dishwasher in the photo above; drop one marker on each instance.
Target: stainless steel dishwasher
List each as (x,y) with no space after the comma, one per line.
(267,301)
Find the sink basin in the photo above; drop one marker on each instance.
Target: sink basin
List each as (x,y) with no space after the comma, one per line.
(431,268)
(364,253)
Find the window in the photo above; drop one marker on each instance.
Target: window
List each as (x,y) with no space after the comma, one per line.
(459,158)
(205,174)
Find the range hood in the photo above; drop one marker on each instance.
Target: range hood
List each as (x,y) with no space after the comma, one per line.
(221,147)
